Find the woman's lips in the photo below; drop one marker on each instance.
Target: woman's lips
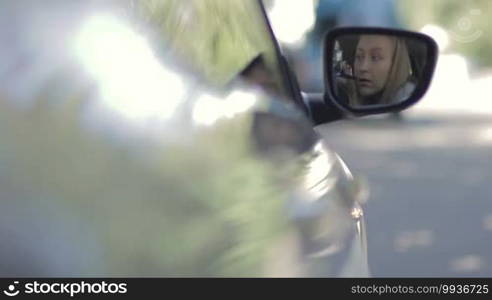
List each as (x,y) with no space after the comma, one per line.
(365,82)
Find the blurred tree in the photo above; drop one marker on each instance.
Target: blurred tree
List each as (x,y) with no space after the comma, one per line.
(77,201)
(467,23)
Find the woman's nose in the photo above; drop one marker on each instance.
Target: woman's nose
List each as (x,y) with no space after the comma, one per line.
(364,65)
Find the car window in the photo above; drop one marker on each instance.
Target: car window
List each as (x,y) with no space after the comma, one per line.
(222,41)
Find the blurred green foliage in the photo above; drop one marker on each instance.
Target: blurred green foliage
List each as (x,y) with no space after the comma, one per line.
(468,23)
(205,206)
(209,208)
(216,38)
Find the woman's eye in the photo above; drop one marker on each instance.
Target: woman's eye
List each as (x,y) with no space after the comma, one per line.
(376,58)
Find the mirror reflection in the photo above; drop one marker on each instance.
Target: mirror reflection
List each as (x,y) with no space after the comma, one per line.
(377,69)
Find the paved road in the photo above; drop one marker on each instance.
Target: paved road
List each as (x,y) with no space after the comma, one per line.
(429,211)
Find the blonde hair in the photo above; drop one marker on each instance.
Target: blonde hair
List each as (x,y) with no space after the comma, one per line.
(399,74)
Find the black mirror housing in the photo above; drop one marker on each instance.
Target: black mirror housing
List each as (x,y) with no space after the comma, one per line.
(370,70)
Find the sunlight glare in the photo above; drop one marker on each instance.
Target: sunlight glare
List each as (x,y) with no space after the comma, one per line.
(208,109)
(438,34)
(283,14)
(132,81)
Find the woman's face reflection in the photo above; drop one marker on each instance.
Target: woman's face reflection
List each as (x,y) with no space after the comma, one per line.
(373,60)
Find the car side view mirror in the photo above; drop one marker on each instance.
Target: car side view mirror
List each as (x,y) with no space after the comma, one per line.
(377,70)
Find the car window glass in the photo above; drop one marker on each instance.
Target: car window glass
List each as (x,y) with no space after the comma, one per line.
(220,40)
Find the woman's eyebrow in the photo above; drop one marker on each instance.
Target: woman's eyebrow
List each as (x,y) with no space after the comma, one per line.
(377,50)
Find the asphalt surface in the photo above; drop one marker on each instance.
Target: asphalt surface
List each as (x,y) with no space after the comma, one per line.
(429,212)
